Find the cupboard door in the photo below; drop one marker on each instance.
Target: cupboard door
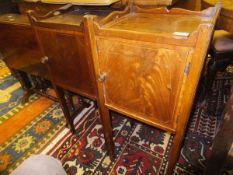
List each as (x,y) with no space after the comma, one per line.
(142,79)
(67,61)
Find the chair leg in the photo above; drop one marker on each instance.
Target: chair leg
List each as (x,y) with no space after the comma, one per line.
(214,65)
(23,78)
(70,101)
(209,78)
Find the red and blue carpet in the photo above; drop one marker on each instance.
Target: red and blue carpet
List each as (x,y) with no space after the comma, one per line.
(141,149)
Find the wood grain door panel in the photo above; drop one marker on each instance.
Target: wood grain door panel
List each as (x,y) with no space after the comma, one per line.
(142,80)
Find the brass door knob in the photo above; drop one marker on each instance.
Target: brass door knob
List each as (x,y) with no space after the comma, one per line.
(44,59)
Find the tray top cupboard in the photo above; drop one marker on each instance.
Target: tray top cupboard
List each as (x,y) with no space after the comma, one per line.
(148,63)
(145,57)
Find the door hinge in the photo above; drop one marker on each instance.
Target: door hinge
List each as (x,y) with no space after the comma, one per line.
(186,68)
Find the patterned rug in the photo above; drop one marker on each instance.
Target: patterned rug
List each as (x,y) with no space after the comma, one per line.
(31,139)
(84,153)
(24,128)
(11,95)
(141,149)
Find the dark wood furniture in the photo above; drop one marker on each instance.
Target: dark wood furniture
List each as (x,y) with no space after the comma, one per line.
(7,6)
(20,50)
(221,51)
(62,37)
(225,21)
(222,142)
(18,45)
(148,64)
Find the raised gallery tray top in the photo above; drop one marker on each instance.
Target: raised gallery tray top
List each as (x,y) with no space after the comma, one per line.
(73,18)
(157,23)
(67,19)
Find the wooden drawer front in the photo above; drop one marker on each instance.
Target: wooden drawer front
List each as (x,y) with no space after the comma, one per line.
(67,60)
(142,79)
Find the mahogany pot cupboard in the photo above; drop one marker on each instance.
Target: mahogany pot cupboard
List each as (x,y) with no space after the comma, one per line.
(148,64)
(22,53)
(63,42)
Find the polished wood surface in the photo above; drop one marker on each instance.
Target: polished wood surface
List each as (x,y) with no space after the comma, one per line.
(145,70)
(225,21)
(14,19)
(19,46)
(142,22)
(20,49)
(21,53)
